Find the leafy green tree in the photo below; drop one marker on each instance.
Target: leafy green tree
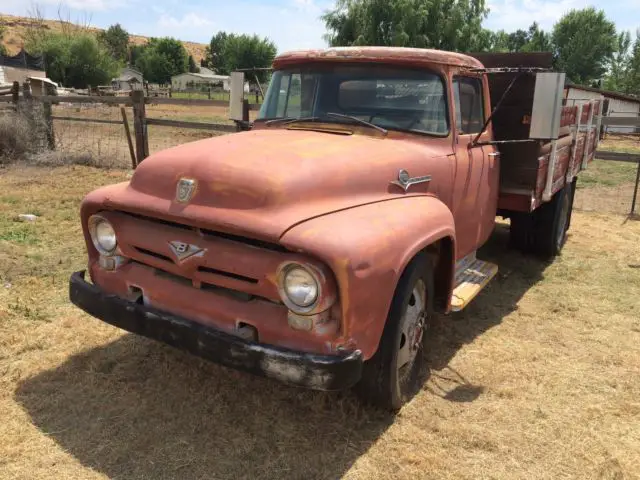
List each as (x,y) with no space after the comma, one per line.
(75,60)
(532,40)
(632,75)
(3,50)
(161,58)
(442,24)
(584,43)
(214,51)
(116,40)
(228,52)
(193,68)
(616,79)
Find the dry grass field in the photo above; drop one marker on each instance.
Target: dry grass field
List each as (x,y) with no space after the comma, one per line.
(538,379)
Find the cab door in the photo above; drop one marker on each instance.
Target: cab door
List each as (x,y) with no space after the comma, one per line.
(476,170)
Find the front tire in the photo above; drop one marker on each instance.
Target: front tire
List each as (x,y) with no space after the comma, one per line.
(398,369)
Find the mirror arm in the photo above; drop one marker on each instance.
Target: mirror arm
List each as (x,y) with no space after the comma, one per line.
(474,142)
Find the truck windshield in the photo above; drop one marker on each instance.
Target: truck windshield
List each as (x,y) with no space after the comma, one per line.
(389,97)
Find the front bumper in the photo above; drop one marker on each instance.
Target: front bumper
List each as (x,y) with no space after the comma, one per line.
(320,372)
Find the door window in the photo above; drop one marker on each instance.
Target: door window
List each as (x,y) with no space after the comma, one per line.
(467,95)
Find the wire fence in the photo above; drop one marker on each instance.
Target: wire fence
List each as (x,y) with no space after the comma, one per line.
(94,132)
(163,136)
(609,186)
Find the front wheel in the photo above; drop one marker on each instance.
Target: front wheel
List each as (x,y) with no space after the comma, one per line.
(398,369)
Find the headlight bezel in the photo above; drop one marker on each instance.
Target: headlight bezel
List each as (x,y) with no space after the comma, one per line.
(285,270)
(93,223)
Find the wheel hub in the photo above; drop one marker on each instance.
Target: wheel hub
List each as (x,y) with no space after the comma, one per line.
(413,325)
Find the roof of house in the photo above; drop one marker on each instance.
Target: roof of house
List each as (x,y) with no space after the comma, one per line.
(398,55)
(605,93)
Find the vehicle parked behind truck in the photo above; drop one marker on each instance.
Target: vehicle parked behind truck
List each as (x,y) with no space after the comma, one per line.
(316,248)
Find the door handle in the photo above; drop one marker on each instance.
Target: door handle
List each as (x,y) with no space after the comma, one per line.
(494,154)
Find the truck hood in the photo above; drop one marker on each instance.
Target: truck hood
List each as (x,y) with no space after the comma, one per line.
(263,182)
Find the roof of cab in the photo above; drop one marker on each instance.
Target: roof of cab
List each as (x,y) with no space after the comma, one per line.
(396,55)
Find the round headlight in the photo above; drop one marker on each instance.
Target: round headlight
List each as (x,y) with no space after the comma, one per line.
(300,286)
(103,235)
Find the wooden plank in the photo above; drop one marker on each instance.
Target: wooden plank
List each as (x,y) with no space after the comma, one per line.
(194,102)
(186,101)
(617,156)
(196,125)
(83,99)
(140,125)
(6,98)
(621,121)
(127,133)
(80,119)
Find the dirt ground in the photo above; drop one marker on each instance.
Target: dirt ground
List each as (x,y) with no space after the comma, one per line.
(538,379)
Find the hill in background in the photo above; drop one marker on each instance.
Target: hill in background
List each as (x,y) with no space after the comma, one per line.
(16,27)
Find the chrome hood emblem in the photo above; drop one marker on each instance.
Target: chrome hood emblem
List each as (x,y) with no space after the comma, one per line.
(183,250)
(405,180)
(185,189)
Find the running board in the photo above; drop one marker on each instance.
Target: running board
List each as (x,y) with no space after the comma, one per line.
(472,275)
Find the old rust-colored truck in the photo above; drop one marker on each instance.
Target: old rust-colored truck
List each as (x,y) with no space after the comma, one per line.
(315,247)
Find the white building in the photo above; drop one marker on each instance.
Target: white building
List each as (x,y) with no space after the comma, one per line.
(615,104)
(129,79)
(188,81)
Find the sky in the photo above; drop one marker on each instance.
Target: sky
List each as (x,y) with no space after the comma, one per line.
(291,24)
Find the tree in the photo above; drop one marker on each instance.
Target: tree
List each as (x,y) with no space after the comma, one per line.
(161,58)
(116,40)
(3,50)
(584,43)
(632,75)
(76,60)
(616,79)
(193,68)
(441,24)
(229,52)
(532,40)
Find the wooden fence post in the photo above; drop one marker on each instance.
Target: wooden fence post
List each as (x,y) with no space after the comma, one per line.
(48,120)
(140,125)
(15,94)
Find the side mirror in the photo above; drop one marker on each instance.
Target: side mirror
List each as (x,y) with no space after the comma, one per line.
(547,106)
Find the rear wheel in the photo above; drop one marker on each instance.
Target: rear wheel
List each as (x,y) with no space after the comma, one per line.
(397,370)
(544,231)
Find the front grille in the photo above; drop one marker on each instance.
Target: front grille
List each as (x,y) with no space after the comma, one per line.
(207,287)
(235,276)
(211,233)
(157,255)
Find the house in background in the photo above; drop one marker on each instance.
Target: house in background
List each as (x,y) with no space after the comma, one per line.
(189,81)
(20,67)
(615,104)
(129,79)
(43,86)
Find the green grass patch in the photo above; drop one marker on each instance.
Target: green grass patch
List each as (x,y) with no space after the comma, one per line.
(20,233)
(606,173)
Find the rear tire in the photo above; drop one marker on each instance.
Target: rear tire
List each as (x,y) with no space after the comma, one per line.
(543,232)
(398,369)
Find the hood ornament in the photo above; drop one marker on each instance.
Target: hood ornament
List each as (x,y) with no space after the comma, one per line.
(185,189)
(182,250)
(405,180)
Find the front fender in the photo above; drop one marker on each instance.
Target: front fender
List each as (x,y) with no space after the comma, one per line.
(368,248)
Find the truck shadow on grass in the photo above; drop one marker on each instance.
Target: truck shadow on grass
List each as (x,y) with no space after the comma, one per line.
(138,409)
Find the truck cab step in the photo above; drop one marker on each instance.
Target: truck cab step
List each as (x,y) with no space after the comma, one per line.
(472,275)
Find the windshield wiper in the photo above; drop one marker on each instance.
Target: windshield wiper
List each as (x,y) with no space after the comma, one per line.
(358,120)
(286,120)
